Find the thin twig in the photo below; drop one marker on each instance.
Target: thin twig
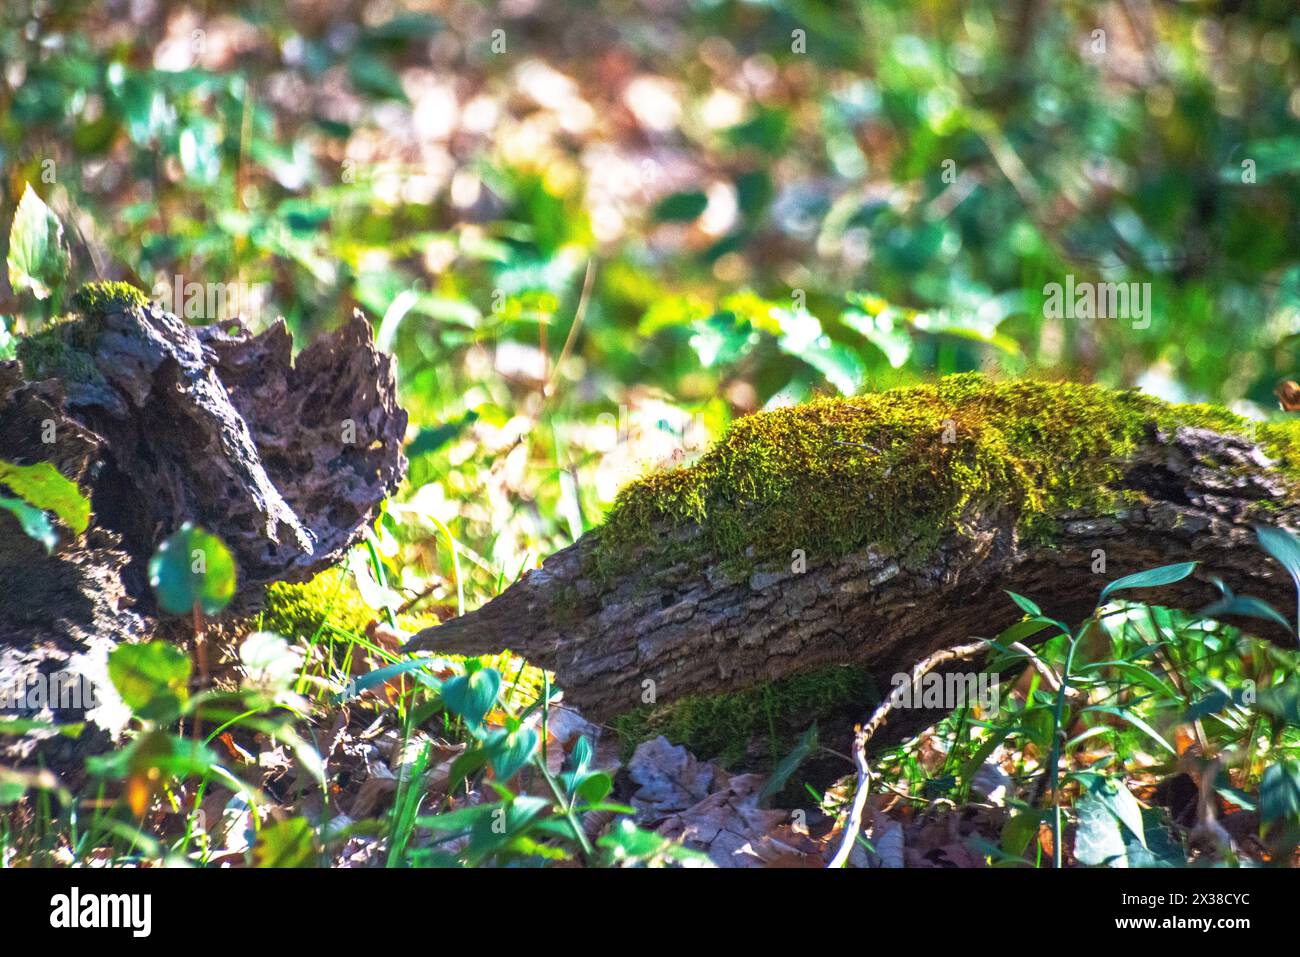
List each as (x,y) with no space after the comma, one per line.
(865,732)
(418,597)
(1043,668)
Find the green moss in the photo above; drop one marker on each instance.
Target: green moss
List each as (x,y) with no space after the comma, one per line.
(1281,440)
(722,726)
(297,611)
(62,350)
(96,298)
(900,468)
(331,607)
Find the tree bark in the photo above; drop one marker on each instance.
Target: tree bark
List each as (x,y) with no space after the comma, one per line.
(285,459)
(694,633)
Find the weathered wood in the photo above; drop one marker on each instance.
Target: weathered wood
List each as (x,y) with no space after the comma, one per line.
(692,632)
(162,423)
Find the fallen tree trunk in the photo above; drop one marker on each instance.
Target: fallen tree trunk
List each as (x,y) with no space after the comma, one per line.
(887,527)
(160,423)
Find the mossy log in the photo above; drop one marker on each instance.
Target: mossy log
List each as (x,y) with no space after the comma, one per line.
(874,530)
(286,459)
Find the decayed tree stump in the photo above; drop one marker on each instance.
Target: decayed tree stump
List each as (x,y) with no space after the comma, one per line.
(161,423)
(912,511)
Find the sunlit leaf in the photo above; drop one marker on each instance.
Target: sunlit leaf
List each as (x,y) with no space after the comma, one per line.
(1026,605)
(38,259)
(508,751)
(1137,722)
(192,568)
(472,695)
(1247,607)
(152,678)
(1098,839)
(270,662)
(595,787)
(289,843)
(34,523)
(43,486)
(1154,578)
(156,754)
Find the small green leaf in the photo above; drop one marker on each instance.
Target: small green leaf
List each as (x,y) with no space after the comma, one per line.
(393,316)
(1154,578)
(575,765)
(371,75)
(155,753)
(595,787)
(1019,632)
(838,364)
(153,678)
(38,259)
(192,568)
(1212,703)
(790,763)
(431,438)
(290,843)
(1247,607)
(42,486)
(629,845)
(581,755)
(1137,722)
(1283,546)
(472,695)
(375,595)
(1025,605)
(1121,802)
(468,764)
(1160,847)
(625,839)
(509,750)
(885,330)
(1279,793)
(270,663)
(458,821)
(1019,830)
(680,207)
(373,679)
(34,523)
(21,726)
(1098,840)
(493,832)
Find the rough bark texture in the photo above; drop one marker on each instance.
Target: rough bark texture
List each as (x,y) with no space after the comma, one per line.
(693,632)
(164,423)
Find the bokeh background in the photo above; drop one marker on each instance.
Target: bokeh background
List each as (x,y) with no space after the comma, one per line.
(593,233)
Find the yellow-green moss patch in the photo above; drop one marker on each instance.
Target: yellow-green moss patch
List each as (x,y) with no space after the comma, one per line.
(902,467)
(330,608)
(96,298)
(64,348)
(330,599)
